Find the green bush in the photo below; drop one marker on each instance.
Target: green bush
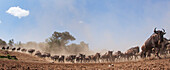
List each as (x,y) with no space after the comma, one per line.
(9,57)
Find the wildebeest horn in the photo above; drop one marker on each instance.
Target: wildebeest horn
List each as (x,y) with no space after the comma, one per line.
(155,30)
(163,30)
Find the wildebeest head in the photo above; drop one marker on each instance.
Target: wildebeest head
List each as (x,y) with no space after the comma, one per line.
(160,34)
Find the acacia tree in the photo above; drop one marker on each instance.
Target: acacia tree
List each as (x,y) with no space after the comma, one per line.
(59,39)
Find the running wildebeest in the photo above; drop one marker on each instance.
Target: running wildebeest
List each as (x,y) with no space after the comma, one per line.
(87,59)
(61,58)
(31,50)
(154,41)
(38,53)
(55,57)
(164,46)
(78,59)
(43,55)
(3,48)
(96,57)
(7,48)
(118,55)
(23,50)
(131,52)
(82,57)
(13,49)
(47,54)
(18,48)
(71,58)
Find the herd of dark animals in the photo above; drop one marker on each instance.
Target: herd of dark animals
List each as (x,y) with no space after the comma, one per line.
(156,44)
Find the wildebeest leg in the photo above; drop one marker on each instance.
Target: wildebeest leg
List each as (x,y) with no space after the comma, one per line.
(157,51)
(143,54)
(149,53)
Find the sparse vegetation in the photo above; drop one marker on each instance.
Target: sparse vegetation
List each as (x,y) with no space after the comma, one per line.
(9,57)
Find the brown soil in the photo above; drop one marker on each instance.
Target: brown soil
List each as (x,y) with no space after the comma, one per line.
(29,62)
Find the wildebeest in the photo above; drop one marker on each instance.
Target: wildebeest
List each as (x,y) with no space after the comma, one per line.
(13,49)
(31,50)
(3,48)
(38,53)
(108,56)
(154,41)
(71,58)
(7,47)
(118,55)
(61,58)
(104,57)
(96,57)
(47,54)
(82,57)
(23,50)
(132,52)
(55,57)
(77,59)
(87,59)
(43,55)
(164,46)
(18,48)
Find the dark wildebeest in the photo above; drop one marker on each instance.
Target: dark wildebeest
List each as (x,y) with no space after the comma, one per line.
(23,50)
(154,41)
(164,46)
(131,52)
(118,55)
(3,48)
(108,57)
(18,48)
(7,48)
(61,58)
(104,57)
(71,58)
(31,50)
(43,55)
(13,49)
(38,53)
(82,57)
(96,57)
(87,59)
(55,57)
(77,59)
(47,54)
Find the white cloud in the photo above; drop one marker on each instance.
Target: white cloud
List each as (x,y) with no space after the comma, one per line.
(18,12)
(0,21)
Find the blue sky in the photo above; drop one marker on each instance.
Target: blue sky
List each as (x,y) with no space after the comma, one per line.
(103,24)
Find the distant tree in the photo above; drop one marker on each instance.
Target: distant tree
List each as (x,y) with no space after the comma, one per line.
(3,43)
(59,39)
(11,42)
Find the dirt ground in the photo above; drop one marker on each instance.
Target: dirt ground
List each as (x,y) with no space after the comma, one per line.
(29,62)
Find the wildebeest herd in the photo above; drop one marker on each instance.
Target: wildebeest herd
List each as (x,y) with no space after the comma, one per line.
(156,44)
